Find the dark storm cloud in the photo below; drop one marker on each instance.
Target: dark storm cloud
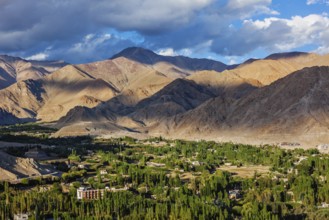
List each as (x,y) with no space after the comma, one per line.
(29,25)
(212,24)
(84,30)
(147,16)
(24,24)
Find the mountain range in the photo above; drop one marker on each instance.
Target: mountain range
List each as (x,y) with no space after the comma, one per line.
(14,69)
(281,98)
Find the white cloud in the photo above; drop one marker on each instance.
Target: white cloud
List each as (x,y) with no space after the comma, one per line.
(185,52)
(38,56)
(232,60)
(276,34)
(182,27)
(171,52)
(312,2)
(322,50)
(247,8)
(167,52)
(90,42)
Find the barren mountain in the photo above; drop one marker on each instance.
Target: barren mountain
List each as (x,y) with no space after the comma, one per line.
(51,97)
(217,110)
(96,121)
(14,69)
(178,97)
(277,66)
(176,65)
(225,83)
(12,168)
(295,108)
(70,87)
(116,84)
(257,73)
(140,92)
(22,99)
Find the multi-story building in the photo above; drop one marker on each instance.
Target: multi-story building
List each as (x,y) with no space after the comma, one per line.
(90,194)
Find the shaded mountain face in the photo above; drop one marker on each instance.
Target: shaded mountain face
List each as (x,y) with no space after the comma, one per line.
(14,69)
(81,114)
(140,92)
(13,168)
(178,97)
(8,118)
(298,102)
(277,56)
(210,104)
(226,83)
(150,58)
(296,106)
(51,97)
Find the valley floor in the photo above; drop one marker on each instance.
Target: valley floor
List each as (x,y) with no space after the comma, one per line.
(163,179)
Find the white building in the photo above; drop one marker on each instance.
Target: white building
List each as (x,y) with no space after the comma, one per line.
(21,216)
(103,172)
(323,147)
(90,194)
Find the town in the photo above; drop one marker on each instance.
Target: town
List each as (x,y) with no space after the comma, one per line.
(95,178)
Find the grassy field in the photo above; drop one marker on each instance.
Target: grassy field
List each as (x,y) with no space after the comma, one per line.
(245,171)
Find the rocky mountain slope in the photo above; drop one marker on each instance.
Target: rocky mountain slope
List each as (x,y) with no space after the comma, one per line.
(178,97)
(121,81)
(51,97)
(13,168)
(294,108)
(14,69)
(138,92)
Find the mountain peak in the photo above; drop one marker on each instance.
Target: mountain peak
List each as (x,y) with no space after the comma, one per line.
(148,57)
(131,50)
(138,54)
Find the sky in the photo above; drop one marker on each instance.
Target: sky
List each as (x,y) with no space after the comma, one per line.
(231,31)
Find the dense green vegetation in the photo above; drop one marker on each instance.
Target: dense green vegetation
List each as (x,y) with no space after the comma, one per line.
(159,179)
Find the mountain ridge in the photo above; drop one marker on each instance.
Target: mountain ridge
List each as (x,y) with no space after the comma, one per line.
(150,58)
(279,97)
(266,111)
(14,69)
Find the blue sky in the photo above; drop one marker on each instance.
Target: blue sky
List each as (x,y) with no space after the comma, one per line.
(231,31)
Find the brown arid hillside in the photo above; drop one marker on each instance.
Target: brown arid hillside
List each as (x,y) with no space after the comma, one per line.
(282,98)
(70,87)
(225,83)
(14,69)
(178,97)
(51,97)
(277,66)
(294,109)
(253,74)
(13,168)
